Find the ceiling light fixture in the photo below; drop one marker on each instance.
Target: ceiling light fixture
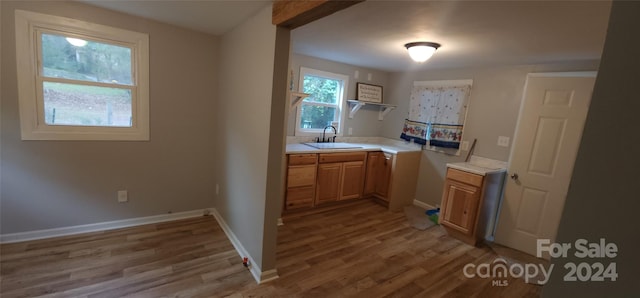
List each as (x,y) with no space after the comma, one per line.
(77,42)
(421,51)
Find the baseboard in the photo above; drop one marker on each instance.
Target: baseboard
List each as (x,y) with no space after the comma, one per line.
(423,205)
(101,226)
(255,270)
(269,275)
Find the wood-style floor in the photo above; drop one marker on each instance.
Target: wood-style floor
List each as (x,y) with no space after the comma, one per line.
(358,250)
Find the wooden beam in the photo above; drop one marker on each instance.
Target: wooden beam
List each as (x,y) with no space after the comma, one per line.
(295,13)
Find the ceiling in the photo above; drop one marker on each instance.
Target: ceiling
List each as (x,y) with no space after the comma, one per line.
(472,33)
(373,33)
(210,16)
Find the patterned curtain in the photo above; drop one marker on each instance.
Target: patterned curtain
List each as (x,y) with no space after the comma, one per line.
(436,114)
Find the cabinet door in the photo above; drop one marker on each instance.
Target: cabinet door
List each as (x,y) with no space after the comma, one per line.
(460,206)
(352,180)
(328,183)
(371,176)
(384,176)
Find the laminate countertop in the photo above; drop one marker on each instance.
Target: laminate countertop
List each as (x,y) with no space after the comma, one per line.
(480,165)
(299,148)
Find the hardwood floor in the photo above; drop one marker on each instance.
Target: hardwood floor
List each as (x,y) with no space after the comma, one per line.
(359,250)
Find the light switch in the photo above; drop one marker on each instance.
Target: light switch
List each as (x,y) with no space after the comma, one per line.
(350,130)
(503,141)
(464,146)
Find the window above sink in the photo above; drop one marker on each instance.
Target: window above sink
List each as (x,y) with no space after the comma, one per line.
(325,104)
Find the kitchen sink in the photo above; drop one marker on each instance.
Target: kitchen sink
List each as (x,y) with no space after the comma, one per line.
(332,145)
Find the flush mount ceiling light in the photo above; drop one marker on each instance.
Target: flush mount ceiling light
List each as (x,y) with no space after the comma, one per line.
(77,42)
(421,51)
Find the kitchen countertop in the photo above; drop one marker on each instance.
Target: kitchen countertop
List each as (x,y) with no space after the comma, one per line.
(388,148)
(480,165)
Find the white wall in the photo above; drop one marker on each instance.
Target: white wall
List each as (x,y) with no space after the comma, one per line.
(493,111)
(243,128)
(365,123)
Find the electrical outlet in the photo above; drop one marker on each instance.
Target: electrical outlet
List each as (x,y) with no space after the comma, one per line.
(356,74)
(350,130)
(369,77)
(503,141)
(217,189)
(123,196)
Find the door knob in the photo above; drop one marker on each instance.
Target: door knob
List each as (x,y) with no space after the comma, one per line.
(514,176)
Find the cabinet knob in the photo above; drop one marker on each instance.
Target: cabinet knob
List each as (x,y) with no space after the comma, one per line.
(514,176)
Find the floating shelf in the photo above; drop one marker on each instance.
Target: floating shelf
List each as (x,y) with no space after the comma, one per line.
(356,105)
(296,98)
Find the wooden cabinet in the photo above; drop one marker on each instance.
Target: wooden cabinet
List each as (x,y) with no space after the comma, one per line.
(378,175)
(391,178)
(371,175)
(352,180)
(469,203)
(316,179)
(461,204)
(301,181)
(328,187)
(340,176)
(384,176)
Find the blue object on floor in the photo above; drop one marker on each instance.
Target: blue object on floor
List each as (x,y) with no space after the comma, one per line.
(432,211)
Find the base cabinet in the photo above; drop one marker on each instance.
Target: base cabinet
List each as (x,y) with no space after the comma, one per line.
(378,175)
(461,204)
(371,175)
(384,176)
(391,178)
(469,204)
(301,181)
(340,177)
(328,187)
(352,180)
(317,179)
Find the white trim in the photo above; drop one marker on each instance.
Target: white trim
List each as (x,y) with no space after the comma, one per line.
(341,105)
(28,26)
(423,205)
(259,275)
(269,275)
(445,83)
(101,226)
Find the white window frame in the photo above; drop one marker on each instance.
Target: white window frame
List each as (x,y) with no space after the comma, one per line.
(445,84)
(29,25)
(299,131)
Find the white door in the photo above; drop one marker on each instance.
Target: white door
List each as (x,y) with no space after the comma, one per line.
(552,116)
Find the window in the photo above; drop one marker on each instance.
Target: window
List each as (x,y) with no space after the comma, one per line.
(325,104)
(437,113)
(81,81)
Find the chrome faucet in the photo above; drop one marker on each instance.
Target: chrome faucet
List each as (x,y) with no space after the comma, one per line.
(329,139)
